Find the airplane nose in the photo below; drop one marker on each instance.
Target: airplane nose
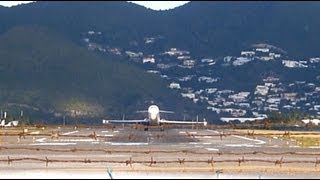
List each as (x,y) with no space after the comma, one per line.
(153,116)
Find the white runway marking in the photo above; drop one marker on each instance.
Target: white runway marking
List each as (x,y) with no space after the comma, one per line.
(206,143)
(35,132)
(193,143)
(204,137)
(108,135)
(212,149)
(52,144)
(72,132)
(74,140)
(41,140)
(249,139)
(241,145)
(127,144)
(212,131)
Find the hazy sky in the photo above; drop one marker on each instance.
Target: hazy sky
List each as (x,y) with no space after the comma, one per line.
(156,5)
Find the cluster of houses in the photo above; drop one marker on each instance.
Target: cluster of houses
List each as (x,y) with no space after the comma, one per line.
(201,86)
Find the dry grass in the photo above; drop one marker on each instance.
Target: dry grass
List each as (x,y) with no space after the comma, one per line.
(302,138)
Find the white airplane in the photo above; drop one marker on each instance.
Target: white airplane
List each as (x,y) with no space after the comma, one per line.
(153,118)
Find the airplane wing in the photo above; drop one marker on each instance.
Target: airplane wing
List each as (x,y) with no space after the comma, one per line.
(142,111)
(104,121)
(162,111)
(183,122)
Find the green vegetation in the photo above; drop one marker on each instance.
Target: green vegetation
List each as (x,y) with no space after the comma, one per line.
(293,117)
(46,75)
(204,28)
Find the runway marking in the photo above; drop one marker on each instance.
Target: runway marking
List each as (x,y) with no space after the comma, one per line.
(206,143)
(52,144)
(213,131)
(193,143)
(241,145)
(212,149)
(108,135)
(204,137)
(127,144)
(35,132)
(193,132)
(41,140)
(257,140)
(72,132)
(74,140)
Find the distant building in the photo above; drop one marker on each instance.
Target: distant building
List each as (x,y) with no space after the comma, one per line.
(174,85)
(261,90)
(148,59)
(247,53)
(265,50)
(313,121)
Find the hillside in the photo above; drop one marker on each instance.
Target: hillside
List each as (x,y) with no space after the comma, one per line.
(43,73)
(204,28)
(238,59)
(222,27)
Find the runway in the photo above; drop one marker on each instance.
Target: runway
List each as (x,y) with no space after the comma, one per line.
(201,153)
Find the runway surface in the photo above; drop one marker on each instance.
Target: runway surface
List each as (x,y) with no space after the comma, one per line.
(127,152)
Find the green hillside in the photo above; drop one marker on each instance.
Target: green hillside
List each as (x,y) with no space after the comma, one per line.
(44,73)
(204,28)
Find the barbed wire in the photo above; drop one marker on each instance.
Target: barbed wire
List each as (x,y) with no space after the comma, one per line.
(158,136)
(111,151)
(130,162)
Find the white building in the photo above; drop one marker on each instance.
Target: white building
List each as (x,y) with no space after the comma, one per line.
(188,95)
(293,64)
(241,61)
(174,85)
(189,62)
(148,60)
(211,90)
(313,121)
(247,53)
(265,50)
(207,79)
(262,90)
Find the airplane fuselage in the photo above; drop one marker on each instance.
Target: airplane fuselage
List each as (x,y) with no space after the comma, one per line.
(154,115)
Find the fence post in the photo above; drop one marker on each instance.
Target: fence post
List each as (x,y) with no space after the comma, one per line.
(109,171)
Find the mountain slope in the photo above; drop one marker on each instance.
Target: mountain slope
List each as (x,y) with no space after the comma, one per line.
(41,69)
(226,27)
(205,28)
